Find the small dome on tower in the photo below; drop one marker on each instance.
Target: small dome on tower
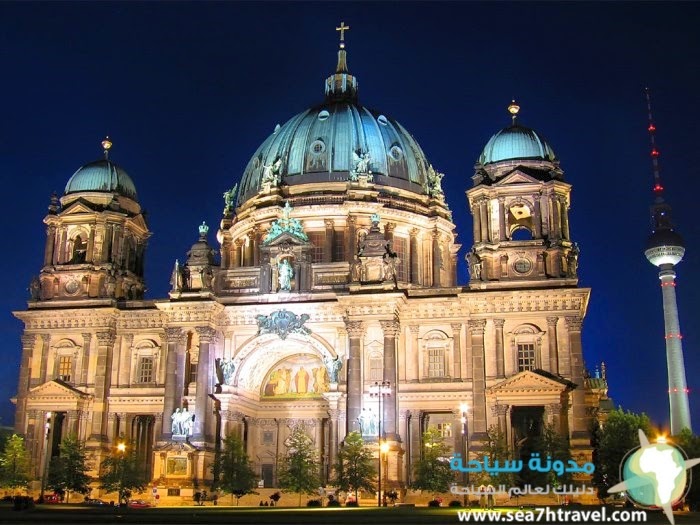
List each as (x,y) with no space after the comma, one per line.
(516,142)
(102,176)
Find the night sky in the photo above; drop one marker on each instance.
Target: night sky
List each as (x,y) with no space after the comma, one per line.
(187,91)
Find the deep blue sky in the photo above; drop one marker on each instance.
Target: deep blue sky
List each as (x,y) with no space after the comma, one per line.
(187,91)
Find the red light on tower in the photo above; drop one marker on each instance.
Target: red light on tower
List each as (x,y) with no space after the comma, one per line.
(655,152)
(652,128)
(658,187)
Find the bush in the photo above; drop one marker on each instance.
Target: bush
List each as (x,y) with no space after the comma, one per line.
(455,503)
(352,504)
(333,503)
(433,503)
(314,503)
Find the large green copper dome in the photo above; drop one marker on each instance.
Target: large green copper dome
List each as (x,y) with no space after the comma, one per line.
(322,144)
(516,142)
(102,176)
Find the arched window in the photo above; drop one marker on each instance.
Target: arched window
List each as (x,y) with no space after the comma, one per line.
(520,221)
(145,362)
(435,347)
(526,345)
(79,250)
(65,355)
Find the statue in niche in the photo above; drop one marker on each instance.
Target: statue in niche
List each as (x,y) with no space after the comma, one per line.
(474,262)
(365,420)
(271,173)
(207,275)
(320,376)
(285,274)
(572,261)
(227,369)
(35,288)
(361,161)
(356,270)
(110,284)
(333,366)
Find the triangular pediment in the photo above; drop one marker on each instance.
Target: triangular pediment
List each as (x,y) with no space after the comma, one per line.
(76,208)
(288,238)
(56,390)
(531,381)
(176,446)
(517,177)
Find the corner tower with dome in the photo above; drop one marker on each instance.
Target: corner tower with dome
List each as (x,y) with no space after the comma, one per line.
(334,307)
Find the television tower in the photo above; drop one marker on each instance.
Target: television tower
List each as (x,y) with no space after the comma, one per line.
(665,250)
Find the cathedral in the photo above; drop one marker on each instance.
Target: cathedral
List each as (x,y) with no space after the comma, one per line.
(327,299)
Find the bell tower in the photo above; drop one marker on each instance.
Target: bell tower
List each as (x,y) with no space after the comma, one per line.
(95,238)
(520,205)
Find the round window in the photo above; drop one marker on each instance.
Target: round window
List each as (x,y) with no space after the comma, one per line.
(522,265)
(317,147)
(382,120)
(323,115)
(396,153)
(72,286)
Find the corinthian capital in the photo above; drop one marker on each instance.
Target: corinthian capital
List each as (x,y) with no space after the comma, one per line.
(498,323)
(552,321)
(28,340)
(573,323)
(355,328)
(390,328)
(175,335)
(476,325)
(206,334)
(105,338)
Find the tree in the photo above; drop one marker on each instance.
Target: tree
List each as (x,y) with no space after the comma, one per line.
(551,444)
(235,474)
(433,472)
(14,463)
(68,471)
(122,472)
(496,449)
(354,468)
(299,470)
(611,442)
(691,446)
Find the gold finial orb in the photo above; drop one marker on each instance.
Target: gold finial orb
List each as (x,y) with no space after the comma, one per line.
(106,144)
(513,108)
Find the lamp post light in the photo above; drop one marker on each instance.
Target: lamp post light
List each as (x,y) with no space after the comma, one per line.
(121,447)
(465,448)
(383,456)
(380,390)
(47,454)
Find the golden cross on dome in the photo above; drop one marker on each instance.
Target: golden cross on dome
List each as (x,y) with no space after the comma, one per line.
(342,30)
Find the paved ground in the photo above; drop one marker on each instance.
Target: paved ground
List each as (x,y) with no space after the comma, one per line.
(50,514)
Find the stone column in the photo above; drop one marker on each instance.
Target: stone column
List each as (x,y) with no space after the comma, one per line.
(328,245)
(63,246)
(555,217)
(414,442)
(457,350)
(90,255)
(415,262)
(334,413)
(501,413)
(255,239)
(351,242)
(253,435)
(476,329)
(207,337)
(484,211)
(50,243)
(237,248)
(476,213)
(564,217)
(28,341)
(390,329)
(103,369)
(414,329)
(553,350)
(226,253)
(500,357)
(436,259)
(389,228)
(537,219)
(580,427)
(45,339)
(502,218)
(354,388)
(175,342)
(248,255)
(82,379)
(553,416)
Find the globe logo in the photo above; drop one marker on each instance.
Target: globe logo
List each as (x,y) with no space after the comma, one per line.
(654,475)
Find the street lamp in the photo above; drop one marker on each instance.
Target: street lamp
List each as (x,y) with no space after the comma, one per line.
(383,451)
(465,447)
(380,390)
(121,447)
